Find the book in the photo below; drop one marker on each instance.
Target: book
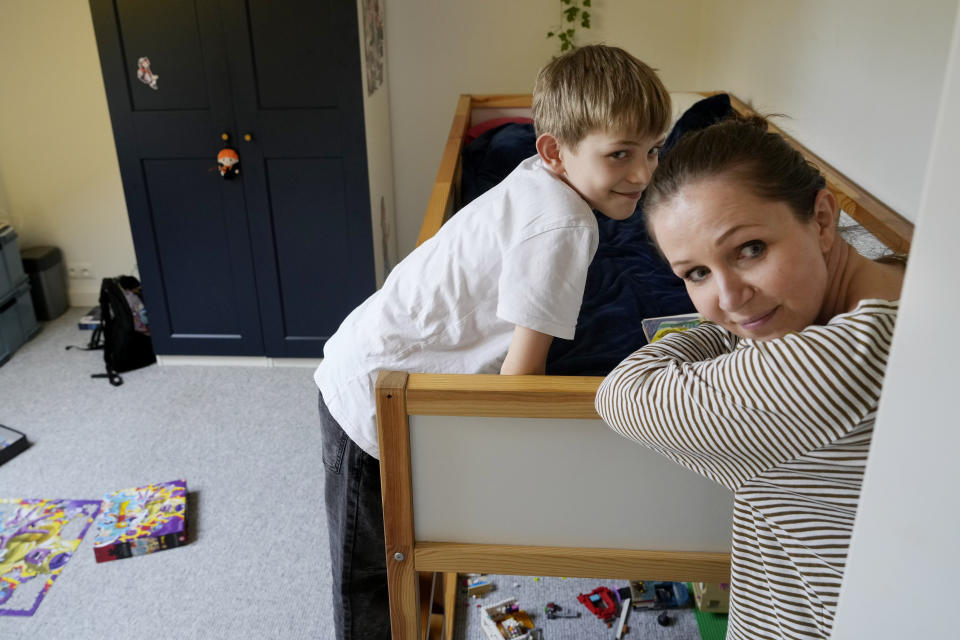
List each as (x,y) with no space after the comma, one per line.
(141,520)
(12,442)
(37,539)
(90,320)
(656,328)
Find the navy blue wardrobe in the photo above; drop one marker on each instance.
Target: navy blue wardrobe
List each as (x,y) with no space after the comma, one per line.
(270,261)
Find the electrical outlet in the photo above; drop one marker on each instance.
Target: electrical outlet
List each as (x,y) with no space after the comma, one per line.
(80,270)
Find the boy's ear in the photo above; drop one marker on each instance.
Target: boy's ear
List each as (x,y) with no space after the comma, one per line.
(549,149)
(825,212)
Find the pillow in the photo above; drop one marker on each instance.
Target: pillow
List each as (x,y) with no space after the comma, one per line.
(493,155)
(702,114)
(478,130)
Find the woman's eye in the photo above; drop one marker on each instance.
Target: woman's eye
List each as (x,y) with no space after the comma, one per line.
(696,274)
(655,151)
(752,249)
(619,155)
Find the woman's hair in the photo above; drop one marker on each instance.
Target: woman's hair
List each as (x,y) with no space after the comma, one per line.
(599,88)
(743,150)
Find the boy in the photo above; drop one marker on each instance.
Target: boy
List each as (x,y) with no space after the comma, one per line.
(487,293)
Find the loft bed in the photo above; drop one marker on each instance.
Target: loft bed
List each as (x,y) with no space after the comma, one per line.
(517,475)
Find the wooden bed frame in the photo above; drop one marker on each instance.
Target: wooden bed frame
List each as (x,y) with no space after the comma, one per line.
(517,475)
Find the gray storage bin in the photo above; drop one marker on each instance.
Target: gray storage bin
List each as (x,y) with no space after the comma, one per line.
(18,323)
(11,269)
(48,280)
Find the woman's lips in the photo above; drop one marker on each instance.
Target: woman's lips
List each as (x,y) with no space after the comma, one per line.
(758,321)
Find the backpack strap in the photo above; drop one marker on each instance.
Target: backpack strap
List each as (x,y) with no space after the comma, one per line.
(110,375)
(96,340)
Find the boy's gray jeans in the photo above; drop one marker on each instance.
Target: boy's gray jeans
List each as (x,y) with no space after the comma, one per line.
(355,521)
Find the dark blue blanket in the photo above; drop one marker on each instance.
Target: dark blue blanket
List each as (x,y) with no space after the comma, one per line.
(627,280)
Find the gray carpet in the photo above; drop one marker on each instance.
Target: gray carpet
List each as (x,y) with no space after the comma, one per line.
(246,441)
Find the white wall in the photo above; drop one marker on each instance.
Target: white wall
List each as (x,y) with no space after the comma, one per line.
(904,560)
(58,164)
(438,49)
(859,78)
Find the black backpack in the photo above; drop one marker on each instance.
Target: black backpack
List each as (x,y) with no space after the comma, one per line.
(123,328)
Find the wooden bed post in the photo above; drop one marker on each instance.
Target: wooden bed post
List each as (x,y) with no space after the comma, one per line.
(393,430)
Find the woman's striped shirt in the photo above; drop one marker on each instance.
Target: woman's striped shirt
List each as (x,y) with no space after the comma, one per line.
(785,424)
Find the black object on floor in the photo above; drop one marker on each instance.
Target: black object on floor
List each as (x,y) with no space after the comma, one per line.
(12,442)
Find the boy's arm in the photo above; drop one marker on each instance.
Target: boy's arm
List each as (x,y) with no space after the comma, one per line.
(527,353)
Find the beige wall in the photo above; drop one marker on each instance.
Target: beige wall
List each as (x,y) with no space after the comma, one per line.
(58,165)
(438,49)
(860,79)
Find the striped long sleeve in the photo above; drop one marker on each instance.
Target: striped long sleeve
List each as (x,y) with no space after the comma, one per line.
(786,425)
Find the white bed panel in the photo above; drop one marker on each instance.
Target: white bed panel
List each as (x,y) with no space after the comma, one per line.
(547,482)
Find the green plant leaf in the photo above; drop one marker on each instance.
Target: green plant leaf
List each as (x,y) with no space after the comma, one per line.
(585,19)
(570,33)
(550,34)
(571,13)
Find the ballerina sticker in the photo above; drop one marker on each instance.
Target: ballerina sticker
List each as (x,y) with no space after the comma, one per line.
(145,75)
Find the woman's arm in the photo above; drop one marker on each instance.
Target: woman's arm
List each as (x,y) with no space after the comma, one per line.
(732,415)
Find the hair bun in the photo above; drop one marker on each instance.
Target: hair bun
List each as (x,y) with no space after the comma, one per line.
(753,120)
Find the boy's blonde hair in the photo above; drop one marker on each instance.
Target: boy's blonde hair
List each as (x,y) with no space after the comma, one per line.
(599,88)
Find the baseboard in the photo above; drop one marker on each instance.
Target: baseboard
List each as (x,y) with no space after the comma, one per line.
(83,297)
(237,361)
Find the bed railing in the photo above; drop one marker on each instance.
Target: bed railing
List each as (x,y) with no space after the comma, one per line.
(887,225)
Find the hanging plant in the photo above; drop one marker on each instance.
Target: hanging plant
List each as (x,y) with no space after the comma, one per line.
(573,13)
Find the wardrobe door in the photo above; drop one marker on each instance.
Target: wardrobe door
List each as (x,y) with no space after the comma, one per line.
(297,90)
(189,225)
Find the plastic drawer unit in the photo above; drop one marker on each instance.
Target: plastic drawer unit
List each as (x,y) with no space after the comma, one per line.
(18,322)
(11,267)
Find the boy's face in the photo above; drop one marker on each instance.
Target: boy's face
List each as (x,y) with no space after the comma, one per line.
(610,169)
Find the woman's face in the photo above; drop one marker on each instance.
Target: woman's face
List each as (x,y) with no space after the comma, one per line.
(749,264)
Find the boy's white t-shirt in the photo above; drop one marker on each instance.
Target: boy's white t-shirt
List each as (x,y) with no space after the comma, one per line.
(517,255)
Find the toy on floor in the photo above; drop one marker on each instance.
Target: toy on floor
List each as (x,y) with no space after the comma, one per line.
(602,603)
(670,595)
(645,594)
(37,539)
(478,586)
(134,522)
(622,627)
(554,611)
(505,620)
(12,442)
(712,597)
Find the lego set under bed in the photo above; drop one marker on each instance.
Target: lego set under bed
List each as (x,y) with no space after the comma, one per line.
(518,475)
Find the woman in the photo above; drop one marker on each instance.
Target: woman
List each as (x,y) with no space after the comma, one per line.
(776,395)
